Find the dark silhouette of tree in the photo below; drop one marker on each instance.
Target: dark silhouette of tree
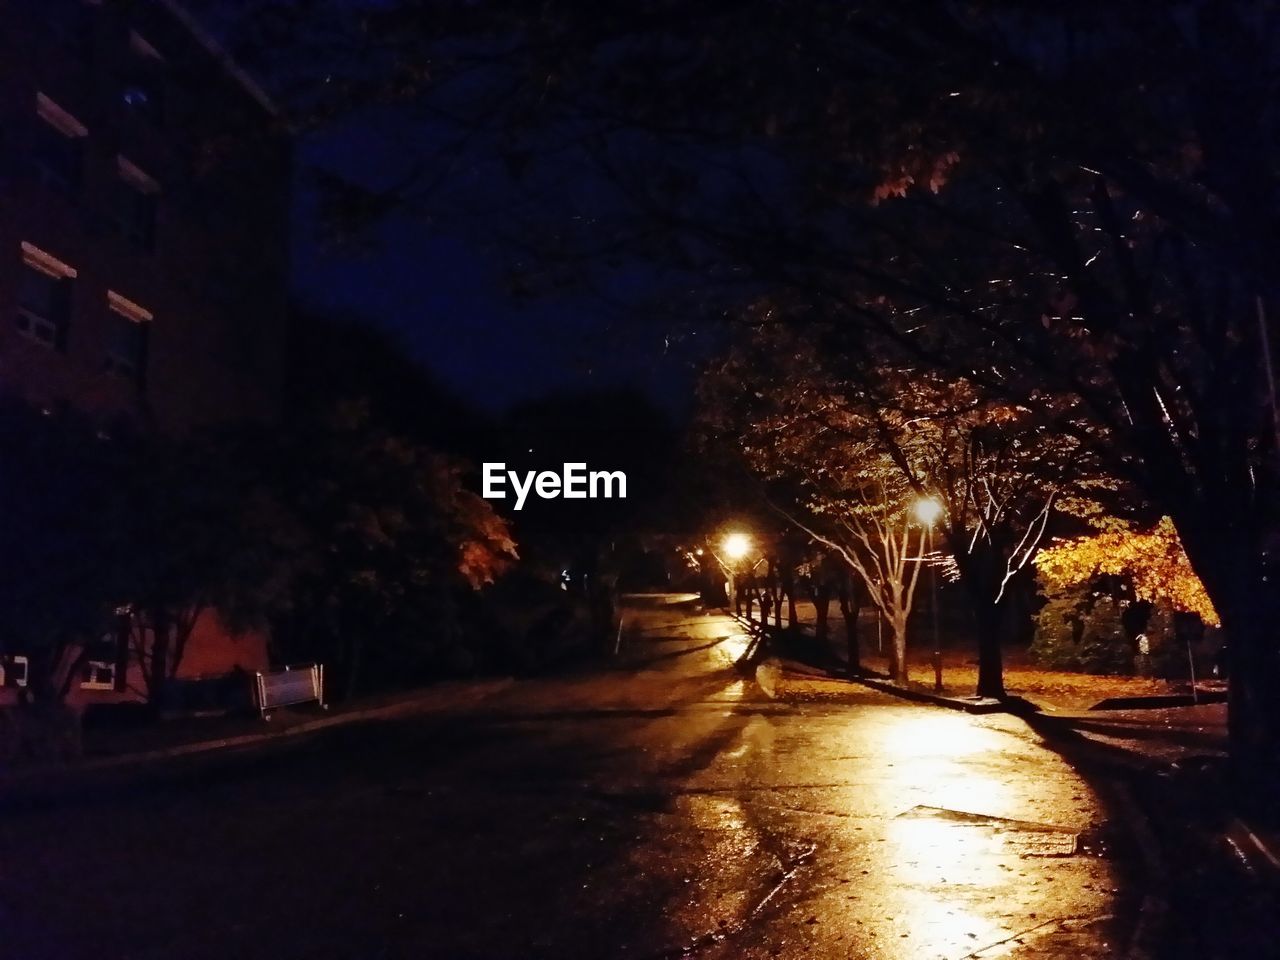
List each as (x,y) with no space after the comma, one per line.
(389,537)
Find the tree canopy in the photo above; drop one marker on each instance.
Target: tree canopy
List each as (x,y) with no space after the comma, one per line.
(1152,560)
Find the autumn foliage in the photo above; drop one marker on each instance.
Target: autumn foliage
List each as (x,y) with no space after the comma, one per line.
(1153,561)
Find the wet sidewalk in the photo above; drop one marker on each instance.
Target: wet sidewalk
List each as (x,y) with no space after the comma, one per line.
(1219,871)
(108,747)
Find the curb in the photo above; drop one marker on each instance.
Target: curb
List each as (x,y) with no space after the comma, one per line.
(1186,737)
(1203,698)
(419,704)
(975,705)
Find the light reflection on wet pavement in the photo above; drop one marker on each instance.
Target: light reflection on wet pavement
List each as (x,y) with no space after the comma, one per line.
(663,808)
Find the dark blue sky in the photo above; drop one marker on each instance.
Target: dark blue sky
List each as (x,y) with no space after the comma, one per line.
(438,289)
(444,294)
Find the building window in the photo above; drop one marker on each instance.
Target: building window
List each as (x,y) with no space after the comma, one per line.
(59,147)
(105,663)
(14,671)
(99,675)
(137,204)
(44,298)
(127,340)
(142,95)
(143,89)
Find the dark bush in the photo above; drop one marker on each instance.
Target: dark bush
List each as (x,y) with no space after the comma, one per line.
(1080,629)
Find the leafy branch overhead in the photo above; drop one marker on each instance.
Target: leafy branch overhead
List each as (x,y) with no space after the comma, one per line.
(1153,561)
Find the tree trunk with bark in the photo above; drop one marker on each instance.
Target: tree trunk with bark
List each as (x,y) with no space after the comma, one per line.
(898,672)
(1253,707)
(1245,595)
(981,575)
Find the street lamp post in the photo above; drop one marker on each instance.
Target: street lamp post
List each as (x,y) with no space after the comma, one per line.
(937,642)
(927,511)
(736,546)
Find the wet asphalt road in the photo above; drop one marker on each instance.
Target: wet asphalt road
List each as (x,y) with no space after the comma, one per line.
(664,808)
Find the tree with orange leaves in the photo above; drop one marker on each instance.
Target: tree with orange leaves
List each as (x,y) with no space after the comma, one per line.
(1153,561)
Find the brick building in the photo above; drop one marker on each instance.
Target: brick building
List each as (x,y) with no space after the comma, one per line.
(144,201)
(143,216)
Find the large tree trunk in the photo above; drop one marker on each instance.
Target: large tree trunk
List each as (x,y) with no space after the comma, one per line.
(898,649)
(1227,547)
(1249,607)
(981,581)
(1253,718)
(991,653)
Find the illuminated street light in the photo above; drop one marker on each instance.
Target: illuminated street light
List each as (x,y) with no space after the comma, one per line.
(927,510)
(737,546)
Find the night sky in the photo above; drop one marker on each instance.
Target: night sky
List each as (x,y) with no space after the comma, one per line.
(445,295)
(438,287)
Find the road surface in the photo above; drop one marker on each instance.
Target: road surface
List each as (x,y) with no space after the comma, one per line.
(662,808)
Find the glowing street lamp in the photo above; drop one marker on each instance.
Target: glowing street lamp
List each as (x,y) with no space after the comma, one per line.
(736,546)
(927,511)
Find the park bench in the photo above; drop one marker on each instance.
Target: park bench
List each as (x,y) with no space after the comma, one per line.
(293,684)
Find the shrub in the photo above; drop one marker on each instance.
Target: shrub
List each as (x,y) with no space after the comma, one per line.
(1080,629)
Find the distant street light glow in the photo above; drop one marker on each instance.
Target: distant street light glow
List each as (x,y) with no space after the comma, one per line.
(928,510)
(737,546)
